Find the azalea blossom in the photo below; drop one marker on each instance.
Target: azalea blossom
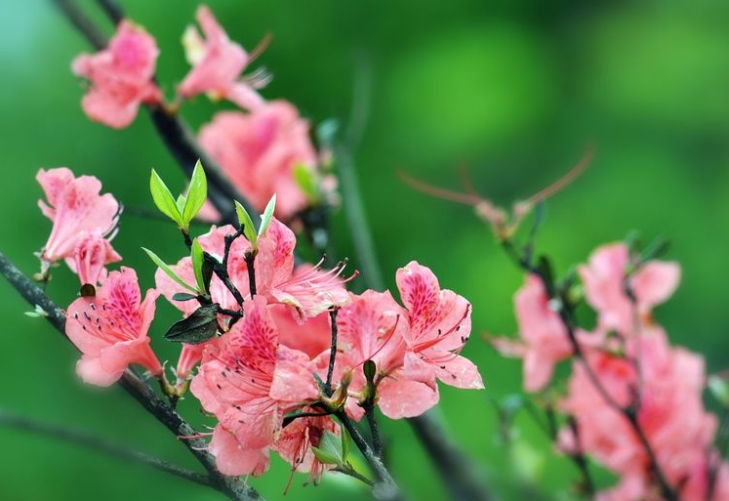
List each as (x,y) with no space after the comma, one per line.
(249,381)
(604,281)
(671,412)
(110,329)
(439,324)
(77,210)
(543,337)
(412,347)
(258,152)
(306,289)
(91,256)
(217,65)
(296,440)
(120,76)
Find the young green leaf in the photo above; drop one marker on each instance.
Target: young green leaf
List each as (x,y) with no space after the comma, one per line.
(198,260)
(330,450)
(267,215)
(249,230)
(305,178)
(163,199)
(197,328)
(197,193)
(174,276)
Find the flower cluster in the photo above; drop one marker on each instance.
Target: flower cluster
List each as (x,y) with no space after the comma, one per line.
(261,368)
(263,148)
(625,370)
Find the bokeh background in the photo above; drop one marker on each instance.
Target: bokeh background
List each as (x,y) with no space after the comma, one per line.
(514,89)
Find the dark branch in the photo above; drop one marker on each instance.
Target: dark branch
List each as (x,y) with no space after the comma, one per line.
(332,352)
(140,390)
(90,441)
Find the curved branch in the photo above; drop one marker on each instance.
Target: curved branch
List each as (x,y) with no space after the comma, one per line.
(172,129)
(137,388)
(80,437)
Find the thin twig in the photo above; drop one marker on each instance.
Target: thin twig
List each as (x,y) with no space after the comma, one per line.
(386,488)
(137,388)
(85,439)
(369,409)
(332,351)
(112,9)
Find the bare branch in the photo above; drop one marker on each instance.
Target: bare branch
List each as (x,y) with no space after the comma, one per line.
(85,439)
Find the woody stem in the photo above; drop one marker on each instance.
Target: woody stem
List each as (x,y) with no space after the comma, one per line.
(332,352)
(136,387)
(85,439)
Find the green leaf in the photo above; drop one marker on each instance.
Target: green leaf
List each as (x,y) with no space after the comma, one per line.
(181,201)
(198,259)
(197,193)
(197,328)
(345,442)
(306,179)
(249,229)
(267,215)
(719,388)
(163,199)
(183,296)
(330,449)
(170,273)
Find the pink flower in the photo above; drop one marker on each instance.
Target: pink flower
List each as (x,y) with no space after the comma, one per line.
(110,329)
(604,279)
(307,289)
(671,412)
(217,65)
(121,76)
(77,210)
(258,152)
(439,324)
(296,440)
(249,382)
(370,328)
(91,256)
(411,347)
(544,341)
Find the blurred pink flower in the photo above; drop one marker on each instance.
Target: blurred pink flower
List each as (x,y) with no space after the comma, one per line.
(248,381)
(217,65)
(258,153)
(77,210)
(604,281)
(543,338)
(110,329)
(671,412)
(92,254)
(121,76)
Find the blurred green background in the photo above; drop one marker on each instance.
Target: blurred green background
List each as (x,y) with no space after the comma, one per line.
(514,89)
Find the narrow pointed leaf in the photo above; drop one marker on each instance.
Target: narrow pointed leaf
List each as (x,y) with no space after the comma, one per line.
(330,449)
(170,273)
(162,197)
(197,193)
(198,259)
(249,230)
(183,296)
(267,215)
